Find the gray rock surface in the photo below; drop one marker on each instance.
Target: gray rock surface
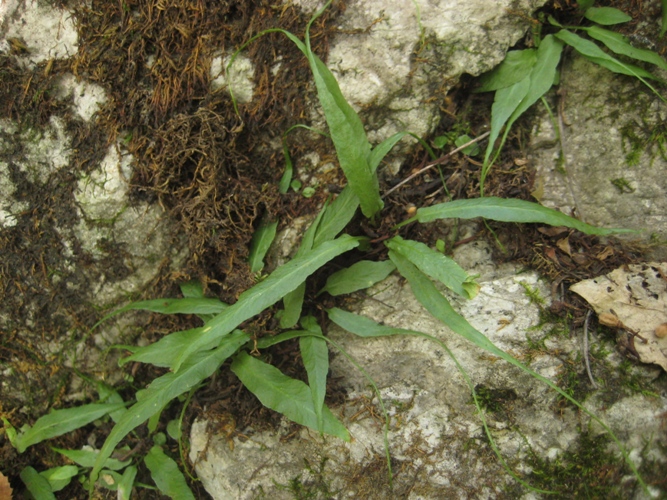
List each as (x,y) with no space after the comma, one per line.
(609,167)
(436,440)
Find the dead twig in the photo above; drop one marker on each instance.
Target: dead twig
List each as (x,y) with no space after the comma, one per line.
(584,349)
(437,162)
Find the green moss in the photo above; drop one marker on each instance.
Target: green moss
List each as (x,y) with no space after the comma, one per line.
(590,471)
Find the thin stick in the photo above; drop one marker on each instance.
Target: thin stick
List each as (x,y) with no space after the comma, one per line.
(585,349)
(436,163)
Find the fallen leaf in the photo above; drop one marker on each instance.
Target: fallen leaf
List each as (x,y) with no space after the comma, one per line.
(564,245)
(552,231)
(637,295)
(5,489)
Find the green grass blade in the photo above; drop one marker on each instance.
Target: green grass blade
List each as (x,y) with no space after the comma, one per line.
(163,389)
(436,265)
(358,276)
(606,16)
(266,293)
(315,355)
(260,244)
(506,210)
(515,67)
(60,422)
(285,395)
(37,485)
(620,45)
(440,308)
(168,478)
(663,26)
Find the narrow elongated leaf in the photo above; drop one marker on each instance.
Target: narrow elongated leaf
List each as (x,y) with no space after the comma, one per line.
(59,477)
(620,45)
(60,422)
(505,102)
(86,458)
(362,326)
(591,51)
(265,342)
(261,241)
(515,67)
(37,485)
(315,355)
(358,276)
(194,290)
(440,308)
(542,74)
(168,478)
(285,395)
(622,68)
(663,25)
(293,301)
(163,389)
(436,265)
(266,293)
(126,483)
(165,351)
(349,138)
(201,305)
(381,150)
(337,216)
(606,16)
(507,210)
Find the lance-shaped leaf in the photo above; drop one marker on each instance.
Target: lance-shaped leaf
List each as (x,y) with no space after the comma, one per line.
(591,51)
(436,265)
(36,484)
(606,16)
(60,422)
(163,389)
(86,458)
(347,132)
(620,45)
(358,276)
(261,241)
(59,477)
(285,395)
(168,478)
(516,66)
(266,293)
(506,210)
(315,356)
(165,351)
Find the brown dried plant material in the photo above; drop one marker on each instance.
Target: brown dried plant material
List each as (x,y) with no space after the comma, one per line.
(633,298)
(5,489)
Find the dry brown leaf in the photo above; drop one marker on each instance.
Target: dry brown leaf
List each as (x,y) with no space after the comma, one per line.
(637,295)
(564,245)
(5,489)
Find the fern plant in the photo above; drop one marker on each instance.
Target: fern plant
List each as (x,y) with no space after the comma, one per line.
(194,355)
